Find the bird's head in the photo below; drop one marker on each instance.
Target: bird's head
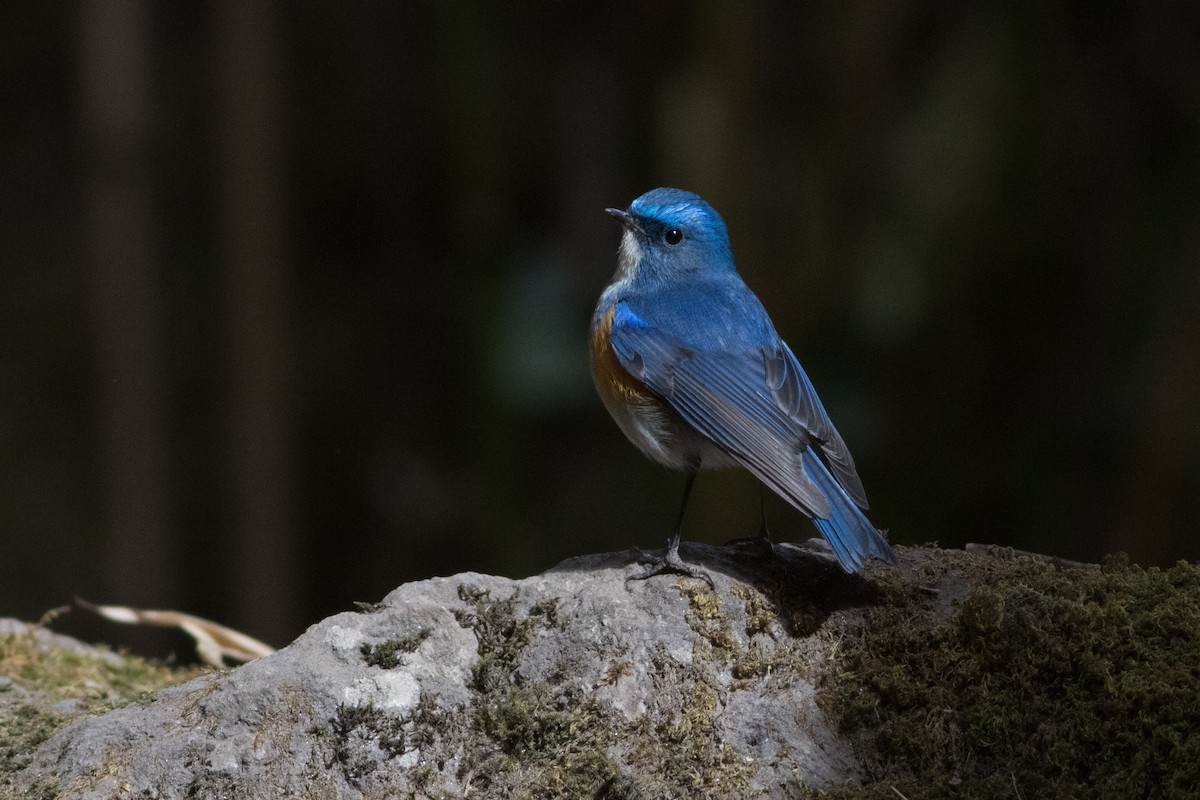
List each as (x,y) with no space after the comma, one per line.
(671,232)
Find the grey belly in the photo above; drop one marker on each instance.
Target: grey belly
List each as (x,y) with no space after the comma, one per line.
(663,436)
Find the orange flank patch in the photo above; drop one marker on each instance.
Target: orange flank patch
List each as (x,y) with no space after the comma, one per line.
(612,381)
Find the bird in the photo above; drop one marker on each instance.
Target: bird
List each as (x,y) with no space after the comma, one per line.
(690,366)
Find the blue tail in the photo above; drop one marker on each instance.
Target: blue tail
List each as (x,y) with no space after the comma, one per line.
(847,529)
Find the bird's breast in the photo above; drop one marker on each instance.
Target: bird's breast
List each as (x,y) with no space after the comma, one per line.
(644,418)
(615,385)
(638,412)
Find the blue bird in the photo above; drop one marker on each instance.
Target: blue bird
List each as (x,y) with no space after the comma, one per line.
(689,365)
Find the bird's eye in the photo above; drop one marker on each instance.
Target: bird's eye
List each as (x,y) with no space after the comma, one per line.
(673,236)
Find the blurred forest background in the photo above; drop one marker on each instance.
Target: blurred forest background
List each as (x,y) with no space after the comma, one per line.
(294,296)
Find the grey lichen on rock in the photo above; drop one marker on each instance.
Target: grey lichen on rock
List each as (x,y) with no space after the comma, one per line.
(952,674)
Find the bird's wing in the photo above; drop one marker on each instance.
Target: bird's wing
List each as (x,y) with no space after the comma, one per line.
(797,397)
(732,399)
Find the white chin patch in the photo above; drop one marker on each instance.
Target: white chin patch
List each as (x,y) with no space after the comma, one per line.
(630,254)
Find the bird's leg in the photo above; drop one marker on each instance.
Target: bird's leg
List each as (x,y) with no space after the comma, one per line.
(670,560)
(763,540)
(763,532)
(673,545)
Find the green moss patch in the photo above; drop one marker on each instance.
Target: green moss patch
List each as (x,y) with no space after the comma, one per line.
(45,686)
(677,748)
(1040,682)
(387,655)
(542,729)
(21,730)
(551,739)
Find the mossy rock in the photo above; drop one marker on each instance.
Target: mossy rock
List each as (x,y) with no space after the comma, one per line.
(954,674)
(1039,682)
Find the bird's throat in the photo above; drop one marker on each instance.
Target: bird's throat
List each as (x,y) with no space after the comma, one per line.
(629,256)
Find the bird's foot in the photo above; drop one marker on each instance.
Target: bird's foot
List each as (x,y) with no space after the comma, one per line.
(669,561)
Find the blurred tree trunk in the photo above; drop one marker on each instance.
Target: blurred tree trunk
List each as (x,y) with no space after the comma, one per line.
(478,172)
(252,239)
(121,244)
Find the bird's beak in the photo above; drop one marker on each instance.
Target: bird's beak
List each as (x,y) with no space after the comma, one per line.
(628,220)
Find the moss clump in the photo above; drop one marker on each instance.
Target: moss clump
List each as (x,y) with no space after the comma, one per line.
(616,670)
(552,733)
(1042,682)
(362,738)
(365,607)
(760,616)
(386,655)
(21,730)
(541,729)
(501,632)
(354,729)
(549,738)
(750,663)
(679,752)
(46,685)
(676,749)
(705,617)
(96,678)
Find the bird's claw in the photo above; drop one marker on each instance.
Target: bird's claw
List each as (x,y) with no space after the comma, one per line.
(668,562)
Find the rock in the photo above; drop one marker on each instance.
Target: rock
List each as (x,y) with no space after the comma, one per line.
(570,683)
(953,674)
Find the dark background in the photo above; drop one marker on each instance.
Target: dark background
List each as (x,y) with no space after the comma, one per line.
(294,296)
